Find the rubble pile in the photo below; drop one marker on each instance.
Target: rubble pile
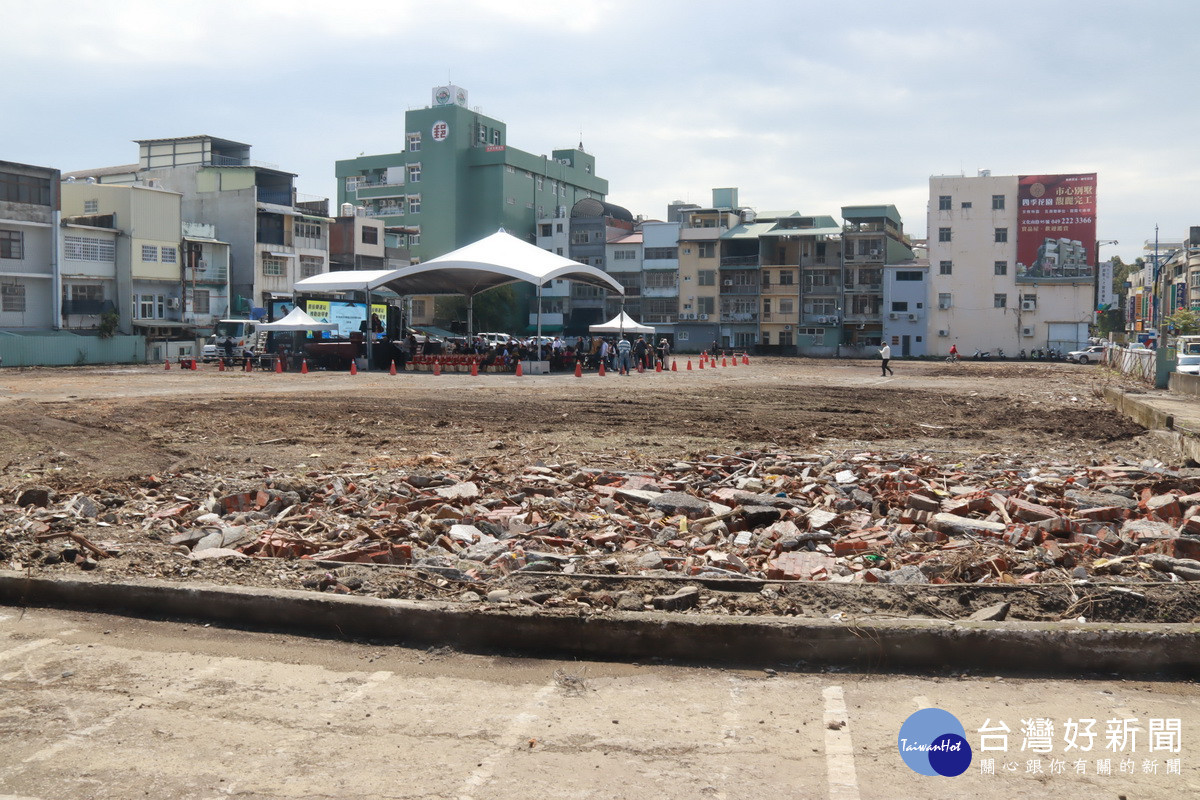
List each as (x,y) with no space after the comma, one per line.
(766,516)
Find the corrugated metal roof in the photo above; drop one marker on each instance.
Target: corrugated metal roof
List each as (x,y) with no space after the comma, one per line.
(752,230)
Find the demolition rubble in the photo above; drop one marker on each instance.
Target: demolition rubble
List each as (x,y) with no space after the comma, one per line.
(558,534)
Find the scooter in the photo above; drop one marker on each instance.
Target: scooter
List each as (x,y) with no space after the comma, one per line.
(1000,353)
(981,356)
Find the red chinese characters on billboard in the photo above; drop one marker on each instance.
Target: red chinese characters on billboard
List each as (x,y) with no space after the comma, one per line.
(1056,228)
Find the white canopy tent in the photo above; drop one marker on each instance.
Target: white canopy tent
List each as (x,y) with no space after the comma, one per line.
(621,323)
(297,320)
(494,260)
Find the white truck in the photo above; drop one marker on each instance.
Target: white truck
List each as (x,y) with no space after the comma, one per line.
(240,333)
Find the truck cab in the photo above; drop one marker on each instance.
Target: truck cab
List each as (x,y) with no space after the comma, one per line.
(241,332)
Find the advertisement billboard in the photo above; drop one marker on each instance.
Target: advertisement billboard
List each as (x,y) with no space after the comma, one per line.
(1056,228)
(348,316)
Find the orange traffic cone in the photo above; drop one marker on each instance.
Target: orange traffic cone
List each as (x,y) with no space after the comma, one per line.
(437,367)
(304,366)
(658,366)
(221,365)
(602,373)
(689,365)
(578,369)
(745,359)
(392,371)
(733,361)
(474,369)
(278,364)
(724,361)
(520,372)
(166,363)
(702,360)
(674,366)
(353,366)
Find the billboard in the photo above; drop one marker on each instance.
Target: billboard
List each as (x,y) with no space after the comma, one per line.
(1056,228)
(348,316)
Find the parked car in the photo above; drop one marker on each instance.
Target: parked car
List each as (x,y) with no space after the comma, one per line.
(1188,364)
(1087,355)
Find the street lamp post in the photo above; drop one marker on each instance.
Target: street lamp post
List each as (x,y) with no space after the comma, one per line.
(1096,281)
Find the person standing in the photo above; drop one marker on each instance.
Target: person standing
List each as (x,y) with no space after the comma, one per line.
(664,351)
(624,350)
(885,353)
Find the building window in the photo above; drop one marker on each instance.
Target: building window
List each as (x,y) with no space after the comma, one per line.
(149,252)
(579,237)
(1001,267)
(707,277)
(705,305)
(944,202)
(149,307)
(414,239)
(946,268)
(495,136)
(200,301)
(909,275)
(12,297)
(306,230)
(510,169)
(999,301)
(966,204)
(1001,234)
(899,305)
(558,228)
(414,173)
(91,206)
(786,305)
(12,244)
(944,300)
(311,265)
(418,308)
(786,277)
(654,253)
(370,235)
(85,248)
(24,189)
(170,255)
(274,265)
(997,202)
(414,204)
(414,142)
(708,249)
(538,181)
(943,234)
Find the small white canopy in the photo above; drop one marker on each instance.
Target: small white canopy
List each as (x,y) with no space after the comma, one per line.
(621,323)
(297,320)
(347,280)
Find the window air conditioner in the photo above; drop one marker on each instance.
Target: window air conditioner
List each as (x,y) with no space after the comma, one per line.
(1028,305)
(822,320)
(727,283)
(1027,331)
(787,327)
(874,252)
(703,316)
(943,333)
(173,303)
(201,265)
(912,317)
(893,316)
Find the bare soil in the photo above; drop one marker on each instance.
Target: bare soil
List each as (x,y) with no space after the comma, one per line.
(132,432)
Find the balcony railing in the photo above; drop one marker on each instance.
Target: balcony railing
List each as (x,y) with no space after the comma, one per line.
(278,197)
(739,261)
(87,306)
(740,316)
(739,288)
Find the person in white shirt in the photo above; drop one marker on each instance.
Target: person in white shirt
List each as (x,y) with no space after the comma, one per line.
(885,353)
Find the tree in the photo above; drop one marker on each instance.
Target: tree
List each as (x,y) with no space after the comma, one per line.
(1184,322)
(498,309)
(1121,272)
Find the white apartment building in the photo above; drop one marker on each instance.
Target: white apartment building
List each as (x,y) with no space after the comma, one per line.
(978,296)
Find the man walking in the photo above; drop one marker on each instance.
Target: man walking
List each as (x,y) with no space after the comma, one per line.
(624,351)
(885,353)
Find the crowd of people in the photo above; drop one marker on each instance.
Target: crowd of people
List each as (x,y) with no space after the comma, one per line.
(614,352)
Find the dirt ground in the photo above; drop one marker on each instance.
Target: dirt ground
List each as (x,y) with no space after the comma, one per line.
(122,433)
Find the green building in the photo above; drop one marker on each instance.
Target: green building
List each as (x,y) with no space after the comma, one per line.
(458,180)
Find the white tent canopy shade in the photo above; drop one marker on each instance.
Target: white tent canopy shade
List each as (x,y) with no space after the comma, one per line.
(297,320)
(621,323)
(493,261)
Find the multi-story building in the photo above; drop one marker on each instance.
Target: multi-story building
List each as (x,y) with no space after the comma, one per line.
(872,237)
(29,216)
(623,261)
(458,180)
(660,275)
(149,291)
(1177,277)
(699,268)
(276,236)
(1000,278)
(906,304)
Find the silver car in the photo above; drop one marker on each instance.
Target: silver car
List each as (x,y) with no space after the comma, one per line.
(1087,355)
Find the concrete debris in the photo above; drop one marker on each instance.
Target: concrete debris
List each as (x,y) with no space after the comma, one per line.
(899,519)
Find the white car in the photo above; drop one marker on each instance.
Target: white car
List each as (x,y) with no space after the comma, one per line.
(1087,354)
(1189,365)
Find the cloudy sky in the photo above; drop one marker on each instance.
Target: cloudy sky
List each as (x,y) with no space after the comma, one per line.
(803,105)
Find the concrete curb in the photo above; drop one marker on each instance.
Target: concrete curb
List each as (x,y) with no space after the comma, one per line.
(1143,412)
(1047,648)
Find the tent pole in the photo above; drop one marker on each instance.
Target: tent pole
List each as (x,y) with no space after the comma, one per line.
(370,334)
(539,323)
(470,317)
